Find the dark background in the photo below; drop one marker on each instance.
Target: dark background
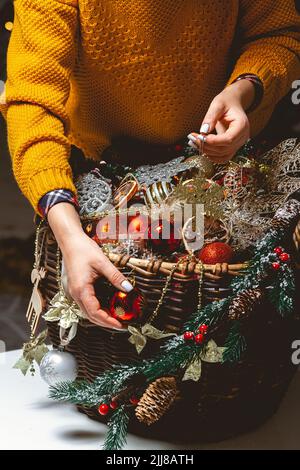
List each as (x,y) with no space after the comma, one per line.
(16,221)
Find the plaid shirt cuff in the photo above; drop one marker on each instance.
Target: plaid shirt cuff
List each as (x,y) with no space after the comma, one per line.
(55,197)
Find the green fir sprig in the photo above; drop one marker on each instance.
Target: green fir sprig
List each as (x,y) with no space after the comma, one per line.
(235,344)
(117,430)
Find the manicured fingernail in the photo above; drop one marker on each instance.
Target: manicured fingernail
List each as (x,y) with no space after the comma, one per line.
(202,138)
(205,128)
(127,286)
(192,137)
(191,144)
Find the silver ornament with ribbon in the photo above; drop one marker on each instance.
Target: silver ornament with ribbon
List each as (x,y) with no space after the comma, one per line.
(58,366)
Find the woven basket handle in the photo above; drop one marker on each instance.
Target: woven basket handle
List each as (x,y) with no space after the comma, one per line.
(296,237)
(150,268)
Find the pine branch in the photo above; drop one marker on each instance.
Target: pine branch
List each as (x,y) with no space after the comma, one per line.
(235,344)
(117,430)
(209,315)
(169,363)
(282,292)
(111,381)
(79,393)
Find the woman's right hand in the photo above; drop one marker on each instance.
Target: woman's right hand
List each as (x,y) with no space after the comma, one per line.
(84,262)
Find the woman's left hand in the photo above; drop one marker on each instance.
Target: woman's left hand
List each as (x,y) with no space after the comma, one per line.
(227,116)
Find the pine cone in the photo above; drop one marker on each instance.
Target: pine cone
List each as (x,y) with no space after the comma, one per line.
(243,305)
(287,215)
(156,400)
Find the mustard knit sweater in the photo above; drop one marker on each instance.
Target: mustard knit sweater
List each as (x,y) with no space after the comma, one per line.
(83,71)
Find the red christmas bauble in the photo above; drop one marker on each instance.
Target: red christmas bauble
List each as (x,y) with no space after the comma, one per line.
(276,266)
(199,338)
(178,148)
(284,257)
(137,227)
(127,307)
(216,252)
(278,250)
(111,228)
(188,335)
(162,236)
(103,409)
(134,401)
(113,405)
(203,329)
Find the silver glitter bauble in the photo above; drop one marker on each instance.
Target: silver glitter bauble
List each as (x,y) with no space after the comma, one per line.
(58,366)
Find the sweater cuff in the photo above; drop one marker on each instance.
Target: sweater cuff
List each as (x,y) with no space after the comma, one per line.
(262,113)
(48,180)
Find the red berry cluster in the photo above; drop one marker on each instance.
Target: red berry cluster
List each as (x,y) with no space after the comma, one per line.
(282,256)
(104,408)
(199,337)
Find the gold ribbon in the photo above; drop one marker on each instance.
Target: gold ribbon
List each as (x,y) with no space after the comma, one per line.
(211,353)
(139,335)
(67,313)
(34,350)
(193,371)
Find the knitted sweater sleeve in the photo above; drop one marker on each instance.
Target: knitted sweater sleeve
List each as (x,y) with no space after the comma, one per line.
(41,57)
(269,36)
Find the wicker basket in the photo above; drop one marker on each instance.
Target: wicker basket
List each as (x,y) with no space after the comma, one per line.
(229,399)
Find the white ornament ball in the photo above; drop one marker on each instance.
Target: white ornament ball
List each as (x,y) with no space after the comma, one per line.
(58,366)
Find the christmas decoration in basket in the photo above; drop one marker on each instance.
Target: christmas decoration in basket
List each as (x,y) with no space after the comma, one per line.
(212,273)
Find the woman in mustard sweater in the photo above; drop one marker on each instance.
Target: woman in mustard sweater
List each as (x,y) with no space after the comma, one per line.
(83,72)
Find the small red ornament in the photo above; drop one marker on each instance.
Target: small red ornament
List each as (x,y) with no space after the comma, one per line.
(127,307)
(138,226)
(245,180)
(111,228)
(278,250)
(103,409)
(203,329)
(96,239)
(188,335)
(220,181)
(113,405)
(134,400)
(162,237)
(178,148)
(276,266)
(284,257)
(199,338)
(216,252)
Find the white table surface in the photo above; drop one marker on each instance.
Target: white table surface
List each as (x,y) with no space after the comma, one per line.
(30,420)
